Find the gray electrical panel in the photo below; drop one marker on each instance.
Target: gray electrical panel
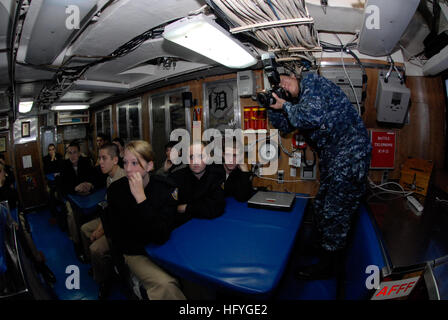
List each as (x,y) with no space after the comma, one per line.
(392,99)
(246,83)
(338,77)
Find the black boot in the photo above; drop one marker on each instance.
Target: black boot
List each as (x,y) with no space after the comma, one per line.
(329,265)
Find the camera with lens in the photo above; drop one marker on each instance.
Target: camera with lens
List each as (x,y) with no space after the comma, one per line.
(265,99)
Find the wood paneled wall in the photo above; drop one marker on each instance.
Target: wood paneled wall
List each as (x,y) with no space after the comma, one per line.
(423,137)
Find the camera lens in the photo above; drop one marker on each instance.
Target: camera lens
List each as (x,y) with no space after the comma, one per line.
(264,99)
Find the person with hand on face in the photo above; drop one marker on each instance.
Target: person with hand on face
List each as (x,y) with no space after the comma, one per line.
(331,125)
(168,166)
(237,176)
(52,161)
(94,240)
(201,187)
(142,209)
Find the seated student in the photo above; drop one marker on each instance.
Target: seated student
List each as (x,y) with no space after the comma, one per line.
(77,177)
(92,233)
(168,167)
(238,178)
(8,192)
(8,170)
(120,144)
(141,210)
(52,165)
(201,193)
(76,174)
(52,161)
(101,139)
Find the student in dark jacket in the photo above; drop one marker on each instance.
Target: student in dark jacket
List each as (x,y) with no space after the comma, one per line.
(237,176)
(52,161)
(77,172)
(77,177)
(52,165)
(8,170)
(120,144)
(201,187)
(142,209)
(168,167)
(7,191)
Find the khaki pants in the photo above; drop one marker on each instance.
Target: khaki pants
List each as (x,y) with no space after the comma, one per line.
(73,232)
(98,251)
(159,285)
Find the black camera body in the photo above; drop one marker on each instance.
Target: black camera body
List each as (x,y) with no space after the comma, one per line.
(265,99)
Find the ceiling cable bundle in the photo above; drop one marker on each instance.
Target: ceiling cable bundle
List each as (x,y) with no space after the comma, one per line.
(285,27)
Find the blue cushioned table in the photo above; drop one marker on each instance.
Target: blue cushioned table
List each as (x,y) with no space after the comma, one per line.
(50,177)
(88,204)
(245,249)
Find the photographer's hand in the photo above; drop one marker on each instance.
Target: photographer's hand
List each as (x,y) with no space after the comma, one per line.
(279,102)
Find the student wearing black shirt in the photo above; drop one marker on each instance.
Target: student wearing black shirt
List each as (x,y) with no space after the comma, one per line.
(120,144)
(52,165)
(201,187)
(237,176)
(52,161)
(168,167)
(77,172)
(8,170)
(77,177)
(142,210)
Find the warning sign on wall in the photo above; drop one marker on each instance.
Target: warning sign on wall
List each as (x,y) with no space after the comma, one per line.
(383,149)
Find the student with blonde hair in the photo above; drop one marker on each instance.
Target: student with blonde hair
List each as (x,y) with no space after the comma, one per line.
(142,210)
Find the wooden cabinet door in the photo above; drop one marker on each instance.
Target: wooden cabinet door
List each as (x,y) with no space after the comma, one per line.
(30,181)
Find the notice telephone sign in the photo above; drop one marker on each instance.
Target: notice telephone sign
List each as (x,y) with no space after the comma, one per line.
(383,149)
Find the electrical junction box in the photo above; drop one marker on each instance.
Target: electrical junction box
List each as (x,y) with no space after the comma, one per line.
(392,99)
(246,83)
(338,77)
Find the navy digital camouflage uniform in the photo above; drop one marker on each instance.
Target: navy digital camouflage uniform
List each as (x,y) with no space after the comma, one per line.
(330,124)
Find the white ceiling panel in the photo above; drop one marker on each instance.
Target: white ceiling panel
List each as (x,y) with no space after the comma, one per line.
(126,19)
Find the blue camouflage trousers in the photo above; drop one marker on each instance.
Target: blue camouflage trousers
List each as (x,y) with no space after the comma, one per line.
(335,205)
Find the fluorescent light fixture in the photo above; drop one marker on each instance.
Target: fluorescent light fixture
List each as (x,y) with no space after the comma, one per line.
(202,35)
(67,107)
(25,106)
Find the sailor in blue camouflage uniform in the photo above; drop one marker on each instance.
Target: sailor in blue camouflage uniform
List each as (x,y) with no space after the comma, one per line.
(331,125)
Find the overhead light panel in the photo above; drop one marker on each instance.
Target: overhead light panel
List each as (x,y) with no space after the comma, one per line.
(201,34)
(25,106)
(68,107)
